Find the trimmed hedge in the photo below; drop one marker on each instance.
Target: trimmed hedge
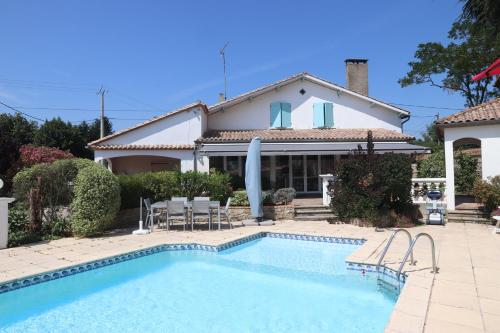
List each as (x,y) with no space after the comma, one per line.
(165,184)
(96,202)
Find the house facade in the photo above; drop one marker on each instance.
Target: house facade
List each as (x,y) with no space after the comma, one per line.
(306,125)
(477,127)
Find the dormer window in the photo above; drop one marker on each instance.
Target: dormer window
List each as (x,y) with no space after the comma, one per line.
(281,115)
(323,115)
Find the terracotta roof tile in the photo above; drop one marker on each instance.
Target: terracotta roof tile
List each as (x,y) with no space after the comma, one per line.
(489,111)
(327,134)
(143,147)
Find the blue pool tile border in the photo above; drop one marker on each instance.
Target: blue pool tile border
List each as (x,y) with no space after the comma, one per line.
(80,268)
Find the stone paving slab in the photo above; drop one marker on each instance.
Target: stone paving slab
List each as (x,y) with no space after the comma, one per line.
(463,297)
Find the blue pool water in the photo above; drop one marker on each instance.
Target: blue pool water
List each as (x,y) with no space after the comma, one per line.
(266,285)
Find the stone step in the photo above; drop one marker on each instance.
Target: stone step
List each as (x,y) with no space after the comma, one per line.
(466,212)
(312,211)
(314,217)
(311,207)
(471,219)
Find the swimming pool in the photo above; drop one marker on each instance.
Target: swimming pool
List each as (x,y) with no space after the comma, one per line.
(264,285)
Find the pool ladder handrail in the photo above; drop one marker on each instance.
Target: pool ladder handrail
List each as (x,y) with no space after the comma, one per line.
(389,242)
(410,250)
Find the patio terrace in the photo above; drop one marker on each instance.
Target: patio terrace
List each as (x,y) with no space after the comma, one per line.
(463,297)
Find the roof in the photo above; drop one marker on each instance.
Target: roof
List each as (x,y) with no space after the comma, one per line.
(143,147)
(301,76)
(197,104)
(301,135)
(476,115)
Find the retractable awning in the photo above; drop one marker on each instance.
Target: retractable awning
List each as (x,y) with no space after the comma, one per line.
(307,148)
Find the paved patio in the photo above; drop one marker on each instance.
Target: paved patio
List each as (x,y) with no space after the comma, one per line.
(463,297)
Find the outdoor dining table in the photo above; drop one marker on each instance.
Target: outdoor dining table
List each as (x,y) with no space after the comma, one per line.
(187,205)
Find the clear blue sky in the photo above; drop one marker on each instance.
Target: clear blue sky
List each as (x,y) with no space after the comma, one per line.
(154,56)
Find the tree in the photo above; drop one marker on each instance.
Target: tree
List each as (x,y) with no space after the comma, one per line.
(92,132)
(61,135)
(17,128)
(482,12)
(430,138)
(451,67)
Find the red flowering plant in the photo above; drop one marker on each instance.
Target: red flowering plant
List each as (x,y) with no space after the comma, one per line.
(31,155)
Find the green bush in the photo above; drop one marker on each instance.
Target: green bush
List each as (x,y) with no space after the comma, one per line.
(487,192)
(165,184)
(465,172)
(240,198)
(155,185)
(284,196)
(96,202)
(268,197)
(371,186)
(433,166)
(18,219)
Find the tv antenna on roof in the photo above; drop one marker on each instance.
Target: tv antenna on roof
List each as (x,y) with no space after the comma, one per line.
(223,54)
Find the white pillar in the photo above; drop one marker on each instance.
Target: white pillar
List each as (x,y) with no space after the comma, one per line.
(4,221)
(325,179)
(450,174)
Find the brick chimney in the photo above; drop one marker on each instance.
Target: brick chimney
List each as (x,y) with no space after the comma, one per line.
(356,71)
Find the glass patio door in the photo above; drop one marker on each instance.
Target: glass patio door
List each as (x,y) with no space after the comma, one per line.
(312,173)
(298,179)
(305,173)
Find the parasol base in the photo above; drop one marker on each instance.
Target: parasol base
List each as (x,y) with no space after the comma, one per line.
(254,222)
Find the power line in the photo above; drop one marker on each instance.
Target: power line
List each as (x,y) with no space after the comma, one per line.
(428,107)
(81,109)
(23,113)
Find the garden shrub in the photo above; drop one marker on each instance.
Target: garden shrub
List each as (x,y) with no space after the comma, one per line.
(31,155)
(240,198)
(372,186)
(165,184)
(96,202)
(487,192)
(465,172)
(268,197)
(155,185)
(19,227)
(433,166)
(284,196)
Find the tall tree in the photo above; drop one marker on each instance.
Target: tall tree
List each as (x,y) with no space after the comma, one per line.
(472,47)
(482,12)
(17,128)
(62,135)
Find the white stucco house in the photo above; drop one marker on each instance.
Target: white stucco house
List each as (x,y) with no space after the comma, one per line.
(306,124)
(478,126)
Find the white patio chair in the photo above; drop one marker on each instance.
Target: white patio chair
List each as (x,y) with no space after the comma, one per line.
(226,213)
(183,199)
(150,214)
(200,209)
(202,198)
(176,211)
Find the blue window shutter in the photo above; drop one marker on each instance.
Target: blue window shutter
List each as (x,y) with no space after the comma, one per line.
(275,115)
(328,114)
(286,115)
(318,115)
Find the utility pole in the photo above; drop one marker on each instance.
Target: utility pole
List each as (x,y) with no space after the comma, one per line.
(436,129)
(223,54)
(102,92)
